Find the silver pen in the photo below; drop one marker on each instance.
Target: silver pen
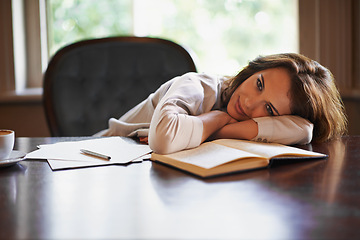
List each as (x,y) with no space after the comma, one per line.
(95,154)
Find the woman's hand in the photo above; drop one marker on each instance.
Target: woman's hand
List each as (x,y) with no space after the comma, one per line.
(218,124)
(213,121)
(246,130)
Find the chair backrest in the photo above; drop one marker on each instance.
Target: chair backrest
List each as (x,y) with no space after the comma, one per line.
(88,82)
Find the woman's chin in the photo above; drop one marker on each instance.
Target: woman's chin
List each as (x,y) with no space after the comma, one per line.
(235,116)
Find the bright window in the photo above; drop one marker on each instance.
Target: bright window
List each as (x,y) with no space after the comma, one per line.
(224,34)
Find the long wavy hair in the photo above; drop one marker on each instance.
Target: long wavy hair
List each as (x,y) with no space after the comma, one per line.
(313,92)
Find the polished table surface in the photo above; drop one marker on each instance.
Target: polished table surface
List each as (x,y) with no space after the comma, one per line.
(318,199)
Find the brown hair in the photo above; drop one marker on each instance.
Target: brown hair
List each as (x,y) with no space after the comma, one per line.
(314,95)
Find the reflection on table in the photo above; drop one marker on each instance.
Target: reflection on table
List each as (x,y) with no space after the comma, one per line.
(299,200)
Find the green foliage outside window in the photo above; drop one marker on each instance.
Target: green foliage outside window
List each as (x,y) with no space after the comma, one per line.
(224,34)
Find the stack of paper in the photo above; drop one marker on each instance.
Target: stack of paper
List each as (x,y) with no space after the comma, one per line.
(65,155)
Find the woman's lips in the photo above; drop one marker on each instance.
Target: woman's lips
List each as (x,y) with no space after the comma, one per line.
(239,109)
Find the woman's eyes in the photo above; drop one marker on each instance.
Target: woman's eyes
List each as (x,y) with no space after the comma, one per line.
(259,84)
(269,110)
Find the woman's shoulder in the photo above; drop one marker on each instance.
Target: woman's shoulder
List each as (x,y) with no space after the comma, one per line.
(193,82)
(203,78)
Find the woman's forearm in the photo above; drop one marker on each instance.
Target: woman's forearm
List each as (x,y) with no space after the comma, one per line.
(213,121)
(247,130)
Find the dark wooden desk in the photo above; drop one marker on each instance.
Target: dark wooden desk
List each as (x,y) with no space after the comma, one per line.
(305,200)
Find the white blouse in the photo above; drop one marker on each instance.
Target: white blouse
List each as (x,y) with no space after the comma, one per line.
(167,116)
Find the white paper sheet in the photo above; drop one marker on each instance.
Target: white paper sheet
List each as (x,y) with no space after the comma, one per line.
(65,155)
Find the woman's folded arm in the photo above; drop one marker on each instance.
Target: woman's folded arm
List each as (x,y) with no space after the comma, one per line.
(287,129)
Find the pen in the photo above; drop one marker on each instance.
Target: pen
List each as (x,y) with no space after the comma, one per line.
(95,154)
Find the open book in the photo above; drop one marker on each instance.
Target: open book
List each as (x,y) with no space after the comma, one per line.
(228,155)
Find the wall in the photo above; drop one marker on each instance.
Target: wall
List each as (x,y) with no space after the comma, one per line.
(352,107)
(26,118)
(330,34)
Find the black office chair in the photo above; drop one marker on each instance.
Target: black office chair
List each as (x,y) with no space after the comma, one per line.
(90,81)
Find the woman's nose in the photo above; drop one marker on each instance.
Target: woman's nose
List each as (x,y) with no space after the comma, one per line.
(250,103)
(253,107)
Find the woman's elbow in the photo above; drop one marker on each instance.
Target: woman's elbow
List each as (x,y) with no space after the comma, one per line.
(174,133)
(306,135)
(301,135)
(161,144)
(161,140)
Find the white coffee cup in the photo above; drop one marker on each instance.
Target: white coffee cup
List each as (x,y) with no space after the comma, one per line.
(7,139)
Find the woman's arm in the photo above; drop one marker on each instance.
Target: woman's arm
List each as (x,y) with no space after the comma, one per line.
(286,130)
(175,124)
(203,125)
(214,121)
(245,130)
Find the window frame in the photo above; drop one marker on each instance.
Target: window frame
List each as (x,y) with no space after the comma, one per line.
(23,61)
(331,44)
(7,75)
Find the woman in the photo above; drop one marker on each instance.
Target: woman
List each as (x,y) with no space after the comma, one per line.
(283,98)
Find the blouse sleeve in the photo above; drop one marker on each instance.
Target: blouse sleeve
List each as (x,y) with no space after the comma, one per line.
(287,129)
(174,126)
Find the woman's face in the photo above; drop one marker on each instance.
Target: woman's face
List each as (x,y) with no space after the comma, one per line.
(266,93)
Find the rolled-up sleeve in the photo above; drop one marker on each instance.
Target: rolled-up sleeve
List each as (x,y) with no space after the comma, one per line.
(286,130)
